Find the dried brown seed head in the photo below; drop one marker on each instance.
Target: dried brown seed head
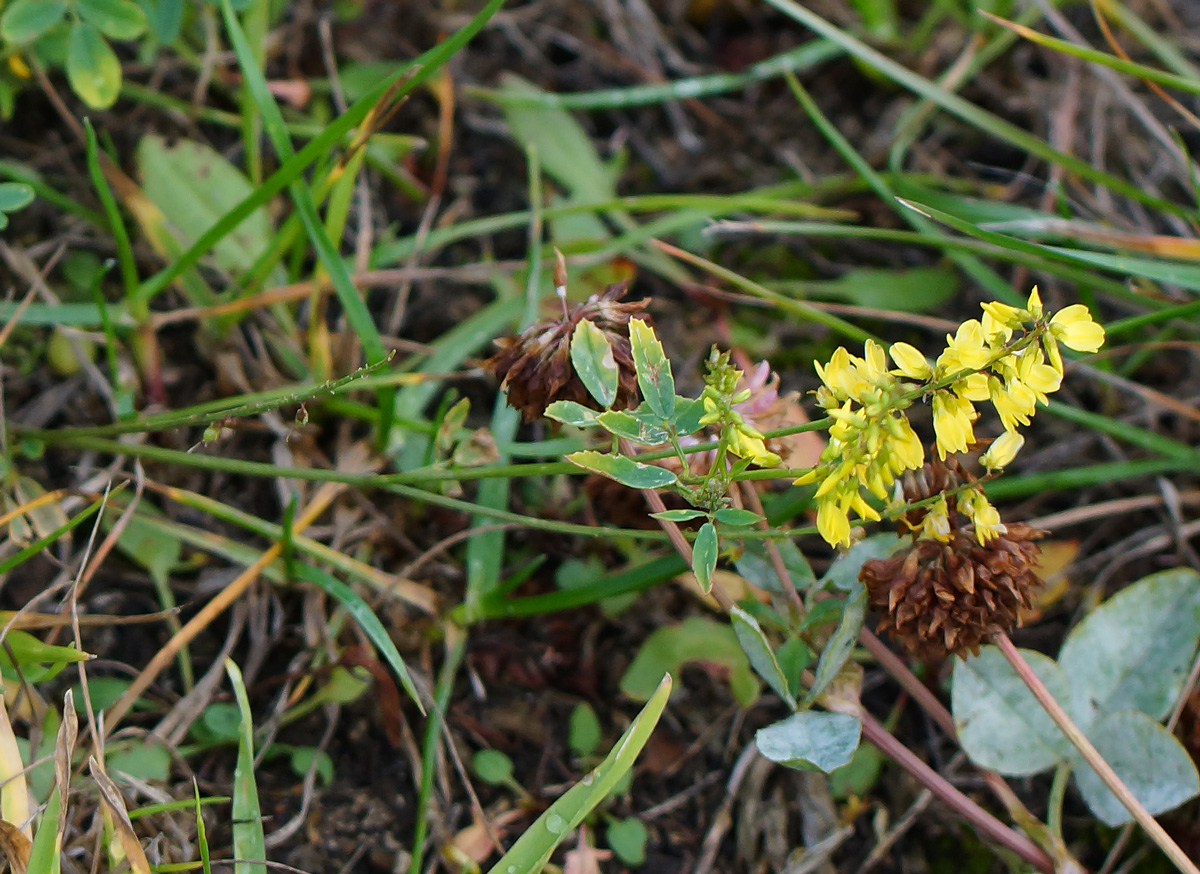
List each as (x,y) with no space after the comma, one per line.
(535,367)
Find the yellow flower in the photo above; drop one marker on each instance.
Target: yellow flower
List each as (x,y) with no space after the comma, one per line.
(1034,304)
(1042,378)
(1075,329)
(1002,451)
(952,423)
(973,387)
(833,523)
(966,350)
(910,361)
(1014,401)
(1002,315)
(976,507)
(712,411)
(747,442)
(935,524)
(841,375)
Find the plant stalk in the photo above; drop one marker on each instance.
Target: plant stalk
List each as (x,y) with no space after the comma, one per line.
(1092,756)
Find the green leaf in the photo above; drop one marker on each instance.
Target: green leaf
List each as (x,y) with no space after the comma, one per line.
(624,470)
(145,759)
(704,555)
(367,621)
(736,517)
(304,758)
(492,767)
(592,355)
(26,650)
(858,776)
(564,149)
(756,566)
(1134,651)
(221,722)
(92,67)
(841,645)
(627,839)
(148,545)
(688,413)
(1000,724)
(627,425)
(679,515)
(195,186)
(14,196)
(583,735)
(571,413)
(653,369)
(116,19)
(249,846)
(1149,760)
(532,850)
(696,639)
(920,290)
(843,572)
(26,20)
(793,657)
(811,741)
(758,650)
(165,18)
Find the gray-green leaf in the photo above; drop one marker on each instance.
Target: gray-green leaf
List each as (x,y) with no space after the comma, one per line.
(624,470)
(592,355)
(758,650)
(1133,652)
(653,369)
(1148,759)
(704,556)
(811,741)
(841,644)
(1000,724)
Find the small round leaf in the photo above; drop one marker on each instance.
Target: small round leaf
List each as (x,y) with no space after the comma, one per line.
(92,67)
(116,19)
(26,20)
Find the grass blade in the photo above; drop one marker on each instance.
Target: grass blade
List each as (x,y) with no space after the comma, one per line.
(249,843)
(533,849)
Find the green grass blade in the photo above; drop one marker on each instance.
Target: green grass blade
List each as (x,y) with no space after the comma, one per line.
(355,308)
(533,849)
(319,147)
(115,225)
(797,60)
(249,843)
(367,621)
(969,112)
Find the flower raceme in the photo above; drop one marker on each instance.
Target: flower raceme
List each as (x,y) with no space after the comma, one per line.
(1009,358)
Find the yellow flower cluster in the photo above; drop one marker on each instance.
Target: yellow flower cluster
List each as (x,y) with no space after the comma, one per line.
(996,359)
(744,440)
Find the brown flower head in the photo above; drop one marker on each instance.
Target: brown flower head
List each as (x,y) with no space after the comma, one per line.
(947,595)
(535,367)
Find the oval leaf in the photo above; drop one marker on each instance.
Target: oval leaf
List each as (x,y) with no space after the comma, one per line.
(92,68)
(734,516)
(1000,724)
(697,639)
(841,644)
(704,555)
(1148,759)
(679,515)
(653,368)
(571,413)
(118,19)
(626,425)
(758,650)
(14,196)
(624,470)
(1133,652)
(26,20)
(592,355)
(811,741)
(195,186)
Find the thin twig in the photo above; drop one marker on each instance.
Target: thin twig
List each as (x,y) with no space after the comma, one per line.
(1092,756)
